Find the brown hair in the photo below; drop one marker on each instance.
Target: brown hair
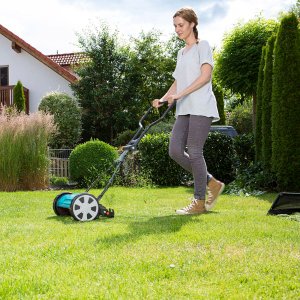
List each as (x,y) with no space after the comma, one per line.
(190,16)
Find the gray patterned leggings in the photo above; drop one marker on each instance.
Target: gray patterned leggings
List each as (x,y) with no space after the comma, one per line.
(191,131)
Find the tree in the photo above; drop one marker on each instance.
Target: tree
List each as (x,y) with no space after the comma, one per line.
(67,118)
(19,97)
(101,88)
(286,105)
(296,9)
(119,82)
(238,62)
(151,65)
(259,95)
(266,115)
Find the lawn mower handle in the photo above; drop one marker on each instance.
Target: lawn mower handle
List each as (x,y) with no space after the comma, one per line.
(132,145)
(161,117)
(143,130)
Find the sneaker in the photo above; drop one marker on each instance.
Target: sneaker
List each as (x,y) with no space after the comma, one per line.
(196,207)
(214,189)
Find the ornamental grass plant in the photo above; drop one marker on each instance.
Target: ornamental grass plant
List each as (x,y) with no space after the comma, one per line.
(23,150)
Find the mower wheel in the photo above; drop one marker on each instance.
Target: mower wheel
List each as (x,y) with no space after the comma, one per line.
(84,207)
(60,211)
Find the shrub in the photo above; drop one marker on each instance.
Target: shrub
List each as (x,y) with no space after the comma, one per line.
(163,127)
(245,150)
(253,180)
(162,170)
(59,181)
(155,161)
(19,97)
(220,156)
(130,173)
(23,150)
(123,138)
(241,118)
(67,117)
(92,160)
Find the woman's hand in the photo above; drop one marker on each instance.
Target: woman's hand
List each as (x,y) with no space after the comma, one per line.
(157,103)
(172,98)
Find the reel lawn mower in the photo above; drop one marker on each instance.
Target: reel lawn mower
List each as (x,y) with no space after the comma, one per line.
(86,207)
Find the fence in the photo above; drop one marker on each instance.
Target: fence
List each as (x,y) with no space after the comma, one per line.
(59,162)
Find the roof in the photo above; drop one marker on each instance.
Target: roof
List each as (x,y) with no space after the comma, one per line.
(37,54)
(68,59)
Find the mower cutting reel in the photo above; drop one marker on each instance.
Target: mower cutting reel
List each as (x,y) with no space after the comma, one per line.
(86,207)
(82,207)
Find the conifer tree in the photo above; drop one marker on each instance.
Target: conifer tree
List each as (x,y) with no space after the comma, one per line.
(286,105)
(19,97)
(258,131)
(266,141)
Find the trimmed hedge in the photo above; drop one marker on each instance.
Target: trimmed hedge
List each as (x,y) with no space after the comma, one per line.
(155,160)
(266,124)
(286,105)
(220,156)
(162,170)
(91,160)
(245,151)
(259,105)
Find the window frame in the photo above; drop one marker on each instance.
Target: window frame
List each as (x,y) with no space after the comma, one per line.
(7,75)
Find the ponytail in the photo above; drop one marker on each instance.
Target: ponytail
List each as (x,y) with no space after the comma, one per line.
(195,30)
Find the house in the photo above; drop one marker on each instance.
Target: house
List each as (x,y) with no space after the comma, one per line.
(39,74)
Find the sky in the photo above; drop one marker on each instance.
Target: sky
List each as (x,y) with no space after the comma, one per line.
(52,26)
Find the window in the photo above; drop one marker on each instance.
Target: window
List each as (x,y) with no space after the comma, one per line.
(3,76)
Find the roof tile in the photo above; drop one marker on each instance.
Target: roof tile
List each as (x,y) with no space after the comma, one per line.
(69,59)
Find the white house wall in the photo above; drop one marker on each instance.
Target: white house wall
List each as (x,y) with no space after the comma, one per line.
(38,78)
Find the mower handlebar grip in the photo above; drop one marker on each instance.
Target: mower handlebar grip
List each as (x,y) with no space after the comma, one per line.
(161,117)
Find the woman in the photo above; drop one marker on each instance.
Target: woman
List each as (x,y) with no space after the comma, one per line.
(196,109)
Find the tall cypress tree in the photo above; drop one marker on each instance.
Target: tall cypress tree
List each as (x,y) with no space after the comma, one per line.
(267,104)
(258,132)
(286,105)
(19,96)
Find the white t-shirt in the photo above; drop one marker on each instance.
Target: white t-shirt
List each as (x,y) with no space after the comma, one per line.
(202,101)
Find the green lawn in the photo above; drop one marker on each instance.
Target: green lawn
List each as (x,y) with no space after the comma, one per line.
(146,251)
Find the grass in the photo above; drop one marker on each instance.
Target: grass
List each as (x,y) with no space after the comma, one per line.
(146,251)
(23,149)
